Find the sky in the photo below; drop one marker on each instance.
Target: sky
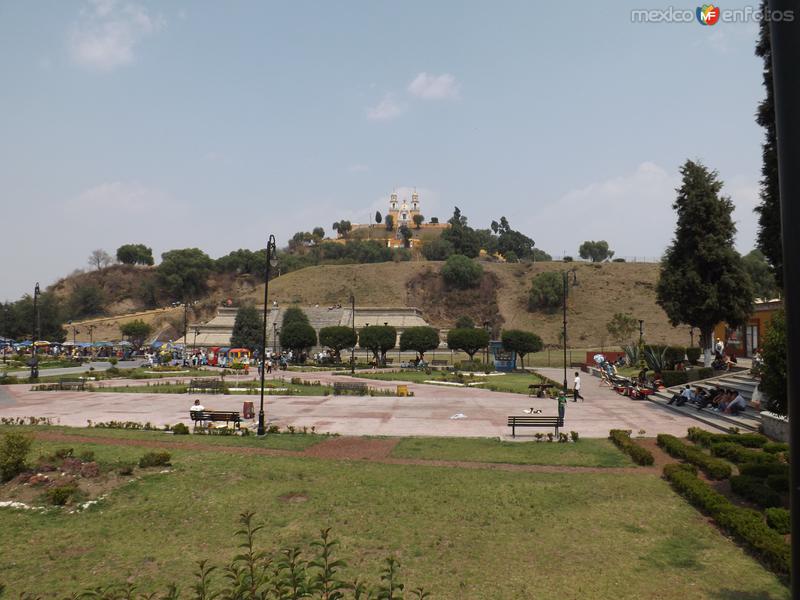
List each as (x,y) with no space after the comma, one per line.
(215,124)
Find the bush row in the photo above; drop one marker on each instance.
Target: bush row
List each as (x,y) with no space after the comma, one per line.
(706,438)
(755,490)
(775,447)
(779,519)
(622,439)
(713,467)
(745,525)
(740,455)
(673,378)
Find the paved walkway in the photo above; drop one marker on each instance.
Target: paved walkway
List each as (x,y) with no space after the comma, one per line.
(427,413)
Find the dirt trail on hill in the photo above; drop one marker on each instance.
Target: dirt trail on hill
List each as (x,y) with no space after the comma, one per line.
(344,448)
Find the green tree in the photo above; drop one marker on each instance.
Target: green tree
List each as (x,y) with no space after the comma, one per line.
(294,314)
(521,342)
(703,280)
(135,254)
(418,220)
(184,273)
(378,217)
(337,338)
(378,339)
(247,328)
(50,320)
(769,211)
(464,239)
(761,275)
(461,272)
(298,337)
(540,255)
(596,251)
(389,221)
(318,233)
(419,339)
(137,332)
(547,291)
(773,376)
(468,340)
(437,249)
(464,322)
(406,234)
(434,220)
(86,301)
(621,327)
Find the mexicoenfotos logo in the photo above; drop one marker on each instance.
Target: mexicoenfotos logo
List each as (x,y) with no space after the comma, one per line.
(708,14)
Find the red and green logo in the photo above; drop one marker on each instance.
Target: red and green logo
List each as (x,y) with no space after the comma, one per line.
(708,14)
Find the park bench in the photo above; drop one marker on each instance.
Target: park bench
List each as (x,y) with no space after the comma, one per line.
(439,363)
(72,384)
(535,421)
(388,361)
(340,388)
(205,416)
(538,389)
(207,386)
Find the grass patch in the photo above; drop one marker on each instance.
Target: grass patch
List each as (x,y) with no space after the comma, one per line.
(516,383)
(584,453)
(458,532)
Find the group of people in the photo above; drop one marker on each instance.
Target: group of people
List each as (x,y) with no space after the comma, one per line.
(720,399)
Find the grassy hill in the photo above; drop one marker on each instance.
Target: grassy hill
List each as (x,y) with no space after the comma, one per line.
(501,299)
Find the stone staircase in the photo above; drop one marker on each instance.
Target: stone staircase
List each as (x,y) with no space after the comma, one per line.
(749,420)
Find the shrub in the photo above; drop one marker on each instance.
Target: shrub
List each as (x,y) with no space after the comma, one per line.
(764,470)
(674,355)
(574,435)
(60,495)
(705,372)
(86,456)
(779,483)
(673,378)
(113,360)
(461,272)
(779,519)
(547,291)
(745,525)
(693,355)
(180,429)
(155,459)
(740,455)
(755,491)
(713,467)
(775,447)
(622,439)
(13,454)
(125,469)
(706,438)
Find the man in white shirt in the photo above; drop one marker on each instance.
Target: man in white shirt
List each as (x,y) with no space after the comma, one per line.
(576,390)
(196,407)
(736,405)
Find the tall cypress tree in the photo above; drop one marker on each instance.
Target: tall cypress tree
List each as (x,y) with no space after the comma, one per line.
(247,332)
(703,280)
(769,211)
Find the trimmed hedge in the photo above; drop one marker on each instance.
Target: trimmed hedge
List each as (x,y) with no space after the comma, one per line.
(764,470)
(622,439)
(745,525)
(706,438)
(775,447)
(673,355)
(755,491)
(693,355)
(741,455)
(779,519)
(713,467)
(673,378)
(779,483)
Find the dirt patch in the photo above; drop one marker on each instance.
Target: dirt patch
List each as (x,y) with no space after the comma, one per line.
(442,306)
(294,498)
(353,448)
(661,457)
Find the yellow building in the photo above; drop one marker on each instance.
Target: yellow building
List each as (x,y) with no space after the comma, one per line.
(401,212)
(742,341)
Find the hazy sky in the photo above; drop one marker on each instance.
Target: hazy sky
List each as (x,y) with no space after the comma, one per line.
(214,124)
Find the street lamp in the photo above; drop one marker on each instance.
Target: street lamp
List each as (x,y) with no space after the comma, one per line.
(185,331)
(272,260)
(274,337)
(91,339)
(565,275)
(486,351)
(353,349)
(641,331)
(36,333)
(691,337)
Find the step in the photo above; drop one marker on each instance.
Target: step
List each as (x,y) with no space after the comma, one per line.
(747,421)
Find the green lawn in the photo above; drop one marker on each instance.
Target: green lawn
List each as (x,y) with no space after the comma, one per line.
(516,383)
(461,533)
(584,453)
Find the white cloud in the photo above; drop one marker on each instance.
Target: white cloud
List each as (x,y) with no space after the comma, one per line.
(127,198)
(632,212)
(108,32)
(434,87)
(388,108)
(357,168)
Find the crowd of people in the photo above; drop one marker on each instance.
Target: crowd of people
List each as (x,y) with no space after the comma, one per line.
(722,400)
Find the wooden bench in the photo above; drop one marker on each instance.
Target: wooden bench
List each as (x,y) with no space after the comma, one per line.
(539,389)
(206,386)
(202,416)
(340,387)
(72,384)
(534,421)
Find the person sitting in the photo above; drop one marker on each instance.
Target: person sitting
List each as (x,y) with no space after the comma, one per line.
(642,377)
(737,405)
(196,407)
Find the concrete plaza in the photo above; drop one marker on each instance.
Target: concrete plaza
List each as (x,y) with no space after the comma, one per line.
(429,412)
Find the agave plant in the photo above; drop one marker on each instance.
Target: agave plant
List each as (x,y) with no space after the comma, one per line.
(633,354)
(656,361)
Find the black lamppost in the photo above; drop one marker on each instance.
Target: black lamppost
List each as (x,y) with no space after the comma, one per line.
(691,337)
(641,331)
(566,288)
(274,337)
(271,256)
(353,349)
(36,333)
(91,340)
(185,332)
(486,351)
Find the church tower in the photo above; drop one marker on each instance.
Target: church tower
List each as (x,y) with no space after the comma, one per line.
(401,211)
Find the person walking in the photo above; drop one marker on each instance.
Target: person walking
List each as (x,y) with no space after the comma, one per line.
(576,390)
(562,405)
